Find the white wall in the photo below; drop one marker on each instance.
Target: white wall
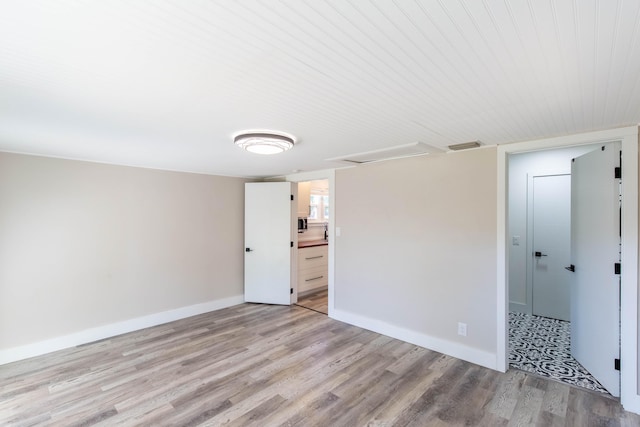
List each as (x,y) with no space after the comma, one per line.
(417,250)
(88,245)
(521,166)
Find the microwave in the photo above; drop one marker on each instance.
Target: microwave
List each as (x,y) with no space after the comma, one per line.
(302,223)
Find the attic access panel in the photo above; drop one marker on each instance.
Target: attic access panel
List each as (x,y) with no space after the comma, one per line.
(397,152)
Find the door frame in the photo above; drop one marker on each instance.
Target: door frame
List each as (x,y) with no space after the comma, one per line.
(328,174)
(628,136)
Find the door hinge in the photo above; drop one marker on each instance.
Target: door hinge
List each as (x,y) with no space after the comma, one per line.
(291,291)
(292,197)
(616,268)
(291,244)
(616,364)
(618,173)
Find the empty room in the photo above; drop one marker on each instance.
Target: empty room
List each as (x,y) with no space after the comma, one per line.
(319,213)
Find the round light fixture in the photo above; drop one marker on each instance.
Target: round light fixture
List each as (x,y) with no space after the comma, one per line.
(264,142)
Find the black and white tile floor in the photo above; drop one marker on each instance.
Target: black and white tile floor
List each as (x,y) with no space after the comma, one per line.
(543,346)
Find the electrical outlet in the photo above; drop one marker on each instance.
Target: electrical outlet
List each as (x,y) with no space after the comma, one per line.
(462,329)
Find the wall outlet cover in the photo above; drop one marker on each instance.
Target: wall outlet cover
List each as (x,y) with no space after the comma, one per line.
(462,329)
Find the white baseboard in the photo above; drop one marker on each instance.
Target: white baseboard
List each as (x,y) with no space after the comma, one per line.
(113,329)
(518,307)
(631,403)
(459,351)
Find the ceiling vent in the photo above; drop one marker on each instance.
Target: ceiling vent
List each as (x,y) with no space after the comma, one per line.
(465,146)
(397,152)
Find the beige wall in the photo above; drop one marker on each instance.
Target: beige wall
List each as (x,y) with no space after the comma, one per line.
(417,248)
(85,244)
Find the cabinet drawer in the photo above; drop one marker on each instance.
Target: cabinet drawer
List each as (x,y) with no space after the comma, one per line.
(315,256)
(312,278)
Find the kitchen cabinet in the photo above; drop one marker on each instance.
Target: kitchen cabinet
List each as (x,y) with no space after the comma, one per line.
(304,195)
(313,268)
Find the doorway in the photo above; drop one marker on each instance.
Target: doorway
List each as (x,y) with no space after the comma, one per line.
(539,209)
(314,216)
(629,378)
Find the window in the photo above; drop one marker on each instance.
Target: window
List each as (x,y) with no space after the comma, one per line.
(319,208)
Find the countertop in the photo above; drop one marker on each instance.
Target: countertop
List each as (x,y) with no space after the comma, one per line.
(312,243)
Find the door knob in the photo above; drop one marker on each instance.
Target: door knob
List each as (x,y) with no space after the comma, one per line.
(539,254)
(571,268)
(248,250)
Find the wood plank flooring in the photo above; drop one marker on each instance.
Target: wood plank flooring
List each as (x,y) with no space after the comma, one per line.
(268,365)
(317,301)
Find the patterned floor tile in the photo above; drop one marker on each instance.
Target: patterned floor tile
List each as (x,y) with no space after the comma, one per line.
(543,346)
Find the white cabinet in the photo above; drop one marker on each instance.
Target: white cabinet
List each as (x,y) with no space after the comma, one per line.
(304,195)
(313,268)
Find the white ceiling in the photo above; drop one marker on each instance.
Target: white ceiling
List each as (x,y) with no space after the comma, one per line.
(166,83)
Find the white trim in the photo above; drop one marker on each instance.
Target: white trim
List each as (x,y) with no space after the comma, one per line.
(518,307)
(460,351)
(113,329)
(529,242)
(629,279)
(629,396)
(502,306)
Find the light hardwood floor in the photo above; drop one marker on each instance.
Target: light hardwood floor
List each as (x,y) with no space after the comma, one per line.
(272,365)
(317,301)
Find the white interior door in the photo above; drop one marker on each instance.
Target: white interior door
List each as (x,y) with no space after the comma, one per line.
(269,242)
(595,288)
(551,245)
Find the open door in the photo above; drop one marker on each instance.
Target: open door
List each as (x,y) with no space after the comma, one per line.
(595,250)
(269,242)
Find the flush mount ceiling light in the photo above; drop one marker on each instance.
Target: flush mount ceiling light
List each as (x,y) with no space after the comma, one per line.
(264,142)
